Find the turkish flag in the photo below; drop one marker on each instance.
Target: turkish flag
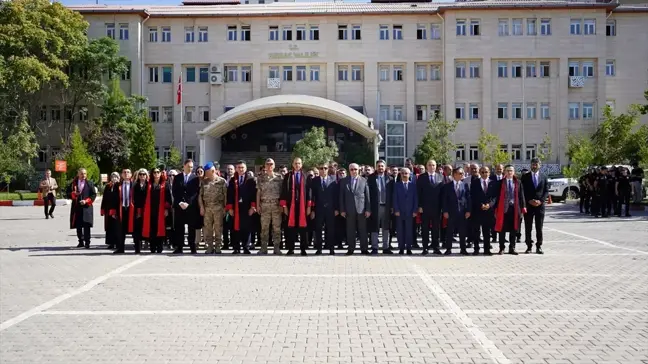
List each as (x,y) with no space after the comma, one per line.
(179,90)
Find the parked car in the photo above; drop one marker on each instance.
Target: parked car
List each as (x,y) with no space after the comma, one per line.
(561,188)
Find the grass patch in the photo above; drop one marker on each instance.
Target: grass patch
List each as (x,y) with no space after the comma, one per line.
(13,196)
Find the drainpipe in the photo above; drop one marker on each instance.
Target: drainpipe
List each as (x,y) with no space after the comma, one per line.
(141,46)
(443,53)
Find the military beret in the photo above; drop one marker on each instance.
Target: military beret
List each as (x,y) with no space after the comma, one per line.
(209,165)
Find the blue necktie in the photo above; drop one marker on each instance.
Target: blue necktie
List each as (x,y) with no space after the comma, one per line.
(297,177)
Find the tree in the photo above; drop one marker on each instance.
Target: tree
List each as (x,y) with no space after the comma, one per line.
(636,150)
(17,147)
(489,149)
(360,153)
(643,109)
(77,156)
(142,151)
(314,149)
(544,152)
(174,160)
(580,150)
(613,135)
(437,143)
(109,145)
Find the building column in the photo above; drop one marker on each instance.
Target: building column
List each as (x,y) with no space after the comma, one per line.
(331,73)
(201,149)
(376,143)
(562,112)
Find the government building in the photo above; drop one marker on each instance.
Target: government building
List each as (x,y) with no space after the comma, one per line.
(256,75)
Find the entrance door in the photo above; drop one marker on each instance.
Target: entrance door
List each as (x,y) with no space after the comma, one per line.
(395,132)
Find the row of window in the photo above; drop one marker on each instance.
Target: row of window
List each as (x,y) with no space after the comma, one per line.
(516,152)
(164,114)
(516,27)
(516,110)
(55,113)
(163,153)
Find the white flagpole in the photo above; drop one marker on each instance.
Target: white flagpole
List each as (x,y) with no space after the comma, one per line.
(182,150)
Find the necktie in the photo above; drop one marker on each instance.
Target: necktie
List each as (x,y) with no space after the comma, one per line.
(355,180)
(297,177)
(535,180)
(125,194)
(241,180)
(510,188)
(186,178)
(457,189)
(431,179)
(406,185)
(323,183)
(485,186)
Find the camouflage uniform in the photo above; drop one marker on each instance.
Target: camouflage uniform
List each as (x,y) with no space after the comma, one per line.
(269,188)
(213,194)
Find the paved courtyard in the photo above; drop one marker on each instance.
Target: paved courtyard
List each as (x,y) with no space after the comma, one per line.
(584,301)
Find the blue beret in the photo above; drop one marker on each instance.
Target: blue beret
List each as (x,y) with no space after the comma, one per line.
(209,165)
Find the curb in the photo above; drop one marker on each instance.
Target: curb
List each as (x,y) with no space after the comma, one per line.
(16,203)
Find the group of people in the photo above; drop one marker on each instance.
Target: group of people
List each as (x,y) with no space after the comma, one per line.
(324,208)
(604,191)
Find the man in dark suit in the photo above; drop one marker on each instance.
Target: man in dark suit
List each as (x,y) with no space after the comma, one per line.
(380,191)
(429,186)
(186,186)
(456,207)
(405,203)
(241,205)
(536,191)
(324,208)
(482,195)
(355,207)
(82,193)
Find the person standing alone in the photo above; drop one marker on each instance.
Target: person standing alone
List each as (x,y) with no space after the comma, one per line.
(48,188)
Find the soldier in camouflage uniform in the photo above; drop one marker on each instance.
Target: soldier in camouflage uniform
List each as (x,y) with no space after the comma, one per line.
(212,200)
(268,191)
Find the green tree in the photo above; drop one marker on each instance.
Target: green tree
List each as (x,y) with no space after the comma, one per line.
(142,150)
(174,160)
(544,150)
(613,135)
(489,149)
(360,153)
(77,156)
(17,148)
(643,109)
(580,150)
(437,143)
(314,148)
(636,150)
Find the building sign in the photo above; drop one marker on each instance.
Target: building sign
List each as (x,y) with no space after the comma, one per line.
(60,166)
(290,55)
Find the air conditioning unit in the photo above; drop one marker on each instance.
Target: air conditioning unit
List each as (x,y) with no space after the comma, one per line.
(577,81)
(216,79)
(215,68)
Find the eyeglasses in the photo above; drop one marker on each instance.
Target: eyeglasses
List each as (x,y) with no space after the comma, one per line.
(142,174)
(322,168)
(156,172)
(483,172)
(353,169)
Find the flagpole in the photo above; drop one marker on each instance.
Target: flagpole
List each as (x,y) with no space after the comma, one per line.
(182,149)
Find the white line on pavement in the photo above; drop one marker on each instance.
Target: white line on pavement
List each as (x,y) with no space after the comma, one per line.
(264,275)
(491,349)
(88,286)
(553,312)
(599,241)
(247,312)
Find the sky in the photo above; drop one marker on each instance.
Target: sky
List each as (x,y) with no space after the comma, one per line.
(165,2)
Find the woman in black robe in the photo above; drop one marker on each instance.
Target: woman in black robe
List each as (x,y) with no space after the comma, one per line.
(157,207)
(109,206)
(139,196)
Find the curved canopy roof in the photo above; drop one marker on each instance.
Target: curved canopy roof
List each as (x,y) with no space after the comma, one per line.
(291,105)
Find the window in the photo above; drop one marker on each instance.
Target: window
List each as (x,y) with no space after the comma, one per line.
(502,27)
(474,69)
(474,153)
(516,70)
(167,114)
(516,27)
(502,110)
(421,112)
(356,32)
(287,73)
(421,73)
(531,70)
(545,69)
(460,111)
(460,152)
(190,153)
(609,67)
(204,74)
(589,26)
(435,31)
(300,33)
(343,73)
(574,110)
(530,151)
(123,31)
(189,114)
(167,74)
(246,74)
(67,112)
(314,32)
(474,111)
(189,34)
(384,32)
(43,113)
(42,156)
(384,73)
(474,27)
(435,110)
(398,112)
(314,73)
(153,35)
(110,30)
(461,27)
(273,72)
(502,69)
(531,26)
(202,34)
(575,27)
(545,113)
(246,33)
(398,73)
(154,114)
(153,75)
(421,31)
(574,69)
(398,32)
(435,73)
(395,143)
(460,70)
(190,74)
(588,69)
(232,30)
(83,113)
(55,153)
(301,73)
(610,28)
(231,73)
(545,27)
(166,34)
(342,32)
(166,152)
(516,110)
(356,73)
(384,112)
(516,152)
(126,76)
(273,33)
(588,111)
(531,110)
(203,113)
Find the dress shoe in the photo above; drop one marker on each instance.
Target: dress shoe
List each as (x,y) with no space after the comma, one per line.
(401,252)
(488,253)
(87,245)
(539,250)
(318,252)
(475,252)
(246,251)
(365,252)
(528,251)
(177,251)
(118,252)
(388,252)
(463,252)
(46,217)
(303,253)
(236,252)
(512,252)
(500,252)
(448,252)
(409,252)
(374,252)
(290,252)
(424,252)
(51,215)
(349,253)
(80,245)
(110,247)
(437,252)
(332,252)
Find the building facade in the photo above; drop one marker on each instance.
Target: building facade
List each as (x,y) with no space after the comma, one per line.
(520,69)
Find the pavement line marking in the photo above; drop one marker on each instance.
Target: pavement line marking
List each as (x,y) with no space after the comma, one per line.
(553,312)
(491,349)
(566,241)
(245,312)
(288,275)
(53,302)
(599,241)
